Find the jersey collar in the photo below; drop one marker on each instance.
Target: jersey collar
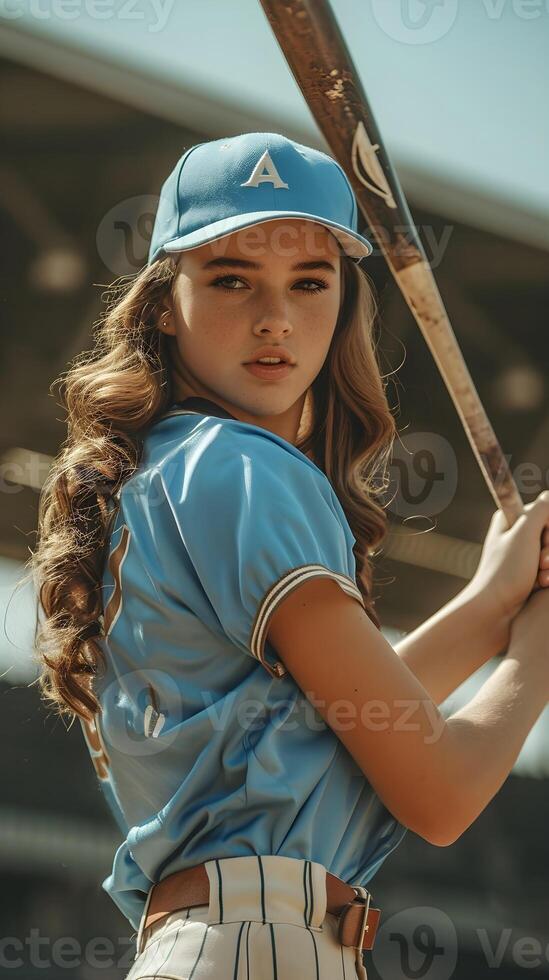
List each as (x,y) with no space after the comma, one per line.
(202,406)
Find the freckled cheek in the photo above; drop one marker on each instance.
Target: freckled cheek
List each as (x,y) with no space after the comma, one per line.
(211,351)
(317,340)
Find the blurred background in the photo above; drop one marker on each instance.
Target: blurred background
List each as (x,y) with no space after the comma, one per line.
(98,102)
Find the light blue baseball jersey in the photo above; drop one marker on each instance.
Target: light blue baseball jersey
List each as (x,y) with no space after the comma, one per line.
(206,747)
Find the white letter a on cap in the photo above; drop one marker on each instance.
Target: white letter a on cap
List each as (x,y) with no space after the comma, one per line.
(272,175)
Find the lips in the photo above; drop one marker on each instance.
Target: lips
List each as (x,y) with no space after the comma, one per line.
(279,352)
(269,372)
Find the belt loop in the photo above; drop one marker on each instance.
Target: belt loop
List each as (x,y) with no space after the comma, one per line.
(139,940)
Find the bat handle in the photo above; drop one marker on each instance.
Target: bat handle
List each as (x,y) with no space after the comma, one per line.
(484,442)
(487,449)
(507,496)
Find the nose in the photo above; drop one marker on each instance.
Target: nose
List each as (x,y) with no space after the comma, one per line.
(271,314)
(274,322)
(273,328)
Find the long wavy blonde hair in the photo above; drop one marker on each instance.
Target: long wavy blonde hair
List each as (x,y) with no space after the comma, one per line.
(113,392)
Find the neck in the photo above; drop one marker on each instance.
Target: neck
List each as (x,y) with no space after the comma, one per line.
(285,424)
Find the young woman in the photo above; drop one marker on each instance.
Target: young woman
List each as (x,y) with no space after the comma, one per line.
(204,566)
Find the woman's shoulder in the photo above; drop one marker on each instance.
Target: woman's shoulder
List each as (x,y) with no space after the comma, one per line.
(236,475)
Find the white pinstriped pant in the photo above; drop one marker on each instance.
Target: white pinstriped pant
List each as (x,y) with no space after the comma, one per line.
(266,920)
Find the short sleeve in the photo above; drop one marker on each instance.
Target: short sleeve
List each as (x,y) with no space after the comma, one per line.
(257,520)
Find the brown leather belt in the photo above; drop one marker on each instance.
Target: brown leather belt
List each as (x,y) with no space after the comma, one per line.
(358,920)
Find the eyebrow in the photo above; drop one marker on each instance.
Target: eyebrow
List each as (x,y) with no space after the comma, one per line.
(229,263)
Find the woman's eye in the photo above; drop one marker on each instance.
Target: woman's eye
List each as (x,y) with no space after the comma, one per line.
(222,279)
(318,284)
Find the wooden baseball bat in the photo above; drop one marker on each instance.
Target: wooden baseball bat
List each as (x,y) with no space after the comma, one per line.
(317,54)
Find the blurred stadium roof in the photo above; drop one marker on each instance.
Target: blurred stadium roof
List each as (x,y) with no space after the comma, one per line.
(457,89)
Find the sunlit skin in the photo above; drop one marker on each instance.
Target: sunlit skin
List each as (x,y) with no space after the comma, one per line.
(220,316)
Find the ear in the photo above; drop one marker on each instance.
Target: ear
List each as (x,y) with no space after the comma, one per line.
(165,320)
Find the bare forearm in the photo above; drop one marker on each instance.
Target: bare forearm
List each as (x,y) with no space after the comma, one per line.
(453,643)
(487,734)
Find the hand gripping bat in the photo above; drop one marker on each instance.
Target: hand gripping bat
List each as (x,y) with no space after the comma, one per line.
(317,54)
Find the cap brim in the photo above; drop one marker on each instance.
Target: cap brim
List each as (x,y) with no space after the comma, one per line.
(353,244)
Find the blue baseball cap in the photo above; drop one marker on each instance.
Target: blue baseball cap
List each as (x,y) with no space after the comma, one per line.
(224,185)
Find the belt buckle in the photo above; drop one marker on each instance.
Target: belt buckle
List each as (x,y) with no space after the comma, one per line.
(359,899)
